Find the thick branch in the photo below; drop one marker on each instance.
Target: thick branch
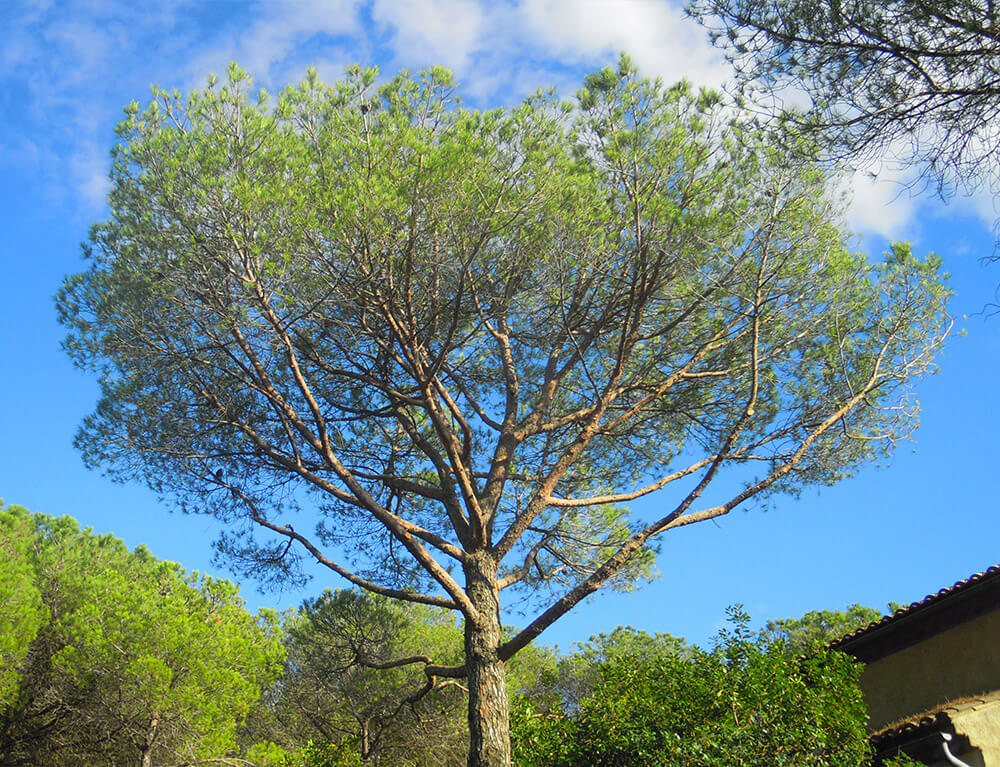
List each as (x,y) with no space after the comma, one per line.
(614,564)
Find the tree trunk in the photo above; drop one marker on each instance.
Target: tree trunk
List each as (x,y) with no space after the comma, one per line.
(365,742)
(146,753)
(489,725)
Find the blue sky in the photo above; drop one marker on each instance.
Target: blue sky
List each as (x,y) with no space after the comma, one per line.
(896,532)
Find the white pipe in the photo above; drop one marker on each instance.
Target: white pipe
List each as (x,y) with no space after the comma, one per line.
(952,759)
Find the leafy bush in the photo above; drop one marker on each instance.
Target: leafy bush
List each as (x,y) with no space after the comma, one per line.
(315,754)
(743,703)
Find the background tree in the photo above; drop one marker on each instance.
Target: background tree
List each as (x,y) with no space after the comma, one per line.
(437,350)
(341,685)
(322,754)
(39,720)
(817,628)
(917,80)
(173,662)
(135,662)
(566,683)
(23,614)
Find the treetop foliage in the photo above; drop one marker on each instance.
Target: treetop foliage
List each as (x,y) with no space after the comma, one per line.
(457,329)
(817,628)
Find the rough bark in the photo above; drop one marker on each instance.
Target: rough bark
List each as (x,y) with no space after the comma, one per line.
(489,726)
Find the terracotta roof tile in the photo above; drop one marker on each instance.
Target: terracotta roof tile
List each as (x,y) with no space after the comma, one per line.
(930,599)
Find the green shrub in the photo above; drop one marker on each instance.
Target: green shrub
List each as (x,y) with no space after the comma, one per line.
(743,703)
(318,754)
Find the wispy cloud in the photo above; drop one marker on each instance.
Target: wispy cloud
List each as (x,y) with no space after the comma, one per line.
(67,66)
(277,44)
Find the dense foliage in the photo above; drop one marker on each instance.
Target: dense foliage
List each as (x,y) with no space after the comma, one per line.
(745,702)
(117,658)
(620,699)
(344,683)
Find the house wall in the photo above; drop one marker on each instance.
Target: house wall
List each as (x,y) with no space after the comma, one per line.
(981,724)
(958,662)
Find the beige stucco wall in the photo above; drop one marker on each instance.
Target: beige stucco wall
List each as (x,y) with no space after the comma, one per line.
(981,723)
(961,661)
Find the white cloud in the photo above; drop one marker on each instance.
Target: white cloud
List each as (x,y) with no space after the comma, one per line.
(74,63)
(881,199)
(657,34)
(77,61)
(432,31)
(64,181)
(891,196)
(84,43)
(983,204)
(93,185)
(88,169)
(36,158)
